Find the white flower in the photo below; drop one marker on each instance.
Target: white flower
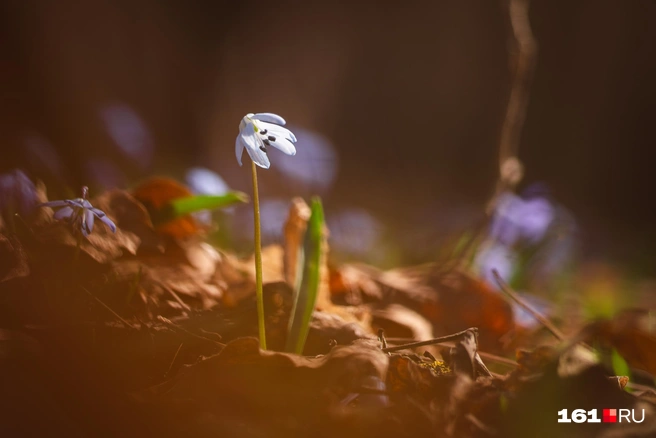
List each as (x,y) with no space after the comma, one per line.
(257,131)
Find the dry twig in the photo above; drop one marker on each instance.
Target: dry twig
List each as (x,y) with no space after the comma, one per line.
(453,337)
(513,296)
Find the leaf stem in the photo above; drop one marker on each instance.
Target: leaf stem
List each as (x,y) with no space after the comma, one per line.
(259,295)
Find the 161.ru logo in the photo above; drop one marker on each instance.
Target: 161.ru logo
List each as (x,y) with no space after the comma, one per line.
(607,416)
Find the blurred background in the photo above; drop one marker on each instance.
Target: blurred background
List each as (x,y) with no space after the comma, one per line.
(397,108)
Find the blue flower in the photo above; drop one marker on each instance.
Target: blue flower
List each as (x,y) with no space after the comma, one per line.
(80,213)
(519,219)
(17,193)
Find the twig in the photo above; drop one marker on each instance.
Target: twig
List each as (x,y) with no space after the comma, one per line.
(109,309)
(175,356)
(177,298)
(381,338)
(487,356)
(453,337)
(513,295)
(511,130)
(169,323)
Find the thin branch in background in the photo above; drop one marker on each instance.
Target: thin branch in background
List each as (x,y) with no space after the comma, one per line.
(523,51)
(179,329)
(524,54)
(175,356)
(513,296)
(109,309)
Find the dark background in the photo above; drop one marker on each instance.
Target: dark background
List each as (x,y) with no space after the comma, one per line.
(412,96)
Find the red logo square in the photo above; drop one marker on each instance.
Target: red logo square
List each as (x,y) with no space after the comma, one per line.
(610,415)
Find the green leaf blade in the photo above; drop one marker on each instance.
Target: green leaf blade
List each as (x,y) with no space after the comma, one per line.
(192,204)
(308,277)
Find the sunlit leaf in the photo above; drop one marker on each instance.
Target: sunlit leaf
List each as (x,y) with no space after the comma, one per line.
(192,204)
(170,203)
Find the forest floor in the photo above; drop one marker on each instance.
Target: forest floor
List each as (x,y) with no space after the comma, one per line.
(145,332)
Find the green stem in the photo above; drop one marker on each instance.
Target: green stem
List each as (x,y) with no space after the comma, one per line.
(259,295)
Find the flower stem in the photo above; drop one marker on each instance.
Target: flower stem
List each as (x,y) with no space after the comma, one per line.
(259,295)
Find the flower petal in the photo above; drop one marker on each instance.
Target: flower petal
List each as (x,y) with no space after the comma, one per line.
(88,221)
(64,213)
(269,117)
(279,131)
(253,145)
(75,203)
(283,145)
(83,228)
(107,221)
(103,217)
(53,204)
(239,148)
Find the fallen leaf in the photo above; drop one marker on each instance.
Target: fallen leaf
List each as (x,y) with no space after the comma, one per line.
(13,259)
(626,332)
(155,194)
(400,322)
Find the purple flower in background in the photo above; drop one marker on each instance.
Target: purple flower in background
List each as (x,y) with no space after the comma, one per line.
(518,218)
(17,193)
(273,211)
(315,165)
(105,173)
(80,213)
(205,182)
(354,231)
(499,257)
(129,133)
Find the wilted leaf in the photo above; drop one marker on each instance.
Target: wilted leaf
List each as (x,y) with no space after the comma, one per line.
(249,379)
(408,376)
(327,328)
(102,245)
(353,284)
(294,233)
(131,216)
(13,260)
(156,194)
(400,322)
(626,334)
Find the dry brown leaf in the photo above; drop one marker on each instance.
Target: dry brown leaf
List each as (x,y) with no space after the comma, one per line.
(626,333)
(130,215)
(400,322)
(353,284)
(294,238)
(155,194)
(276,383)
(162,285)
(328,327)
(13,260)
(102,245)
